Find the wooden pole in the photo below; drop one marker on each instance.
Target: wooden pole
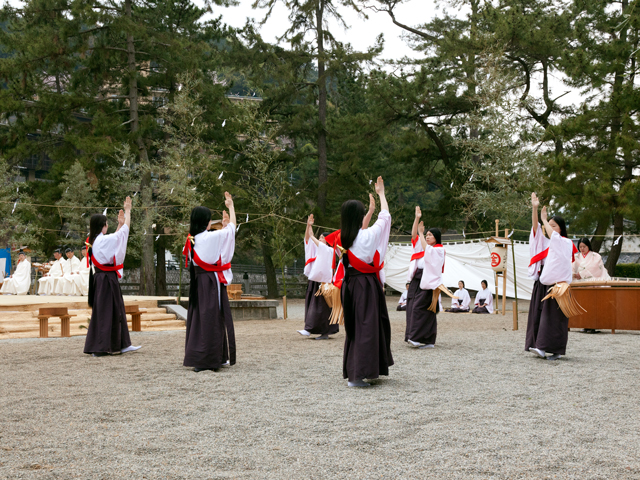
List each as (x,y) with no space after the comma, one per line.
(515,316)
(504,275)
(497,223)
(497,310)
(284,307)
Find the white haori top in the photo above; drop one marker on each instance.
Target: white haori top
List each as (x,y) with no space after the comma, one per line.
(589,266)
(433,267)
(71,265)
(20,281)
(373,239)
(321,270)
(537,243)
(557,267)
(414,265)
(487,296)
(57,269)
(105,247)
(310,249)
(217,245)
(463,298)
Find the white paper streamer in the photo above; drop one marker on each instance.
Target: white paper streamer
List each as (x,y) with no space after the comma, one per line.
(157,238)
(247,220)
(14,207)
(124,161)
(220,176)
(617,241)
(297,193)
(224,123)
(105,212)
(194,188)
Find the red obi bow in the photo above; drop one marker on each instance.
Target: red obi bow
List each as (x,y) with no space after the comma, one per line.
(545,252)
(363,267)
(107,268)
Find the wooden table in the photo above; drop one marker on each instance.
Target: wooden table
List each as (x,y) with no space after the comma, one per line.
(134,311)
(610,305)
(45,313)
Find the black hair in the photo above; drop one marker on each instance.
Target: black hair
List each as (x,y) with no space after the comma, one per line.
(67,250)
(96,224)
(586,241)
(351,216)
(486,284)
(200,218)
(462,282)
(436,233)
(563,226)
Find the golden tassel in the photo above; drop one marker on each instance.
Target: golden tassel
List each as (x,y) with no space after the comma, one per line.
(331,295)
(435,298)
(561,292)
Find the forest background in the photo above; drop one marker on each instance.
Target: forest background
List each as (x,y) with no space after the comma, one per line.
(162,101)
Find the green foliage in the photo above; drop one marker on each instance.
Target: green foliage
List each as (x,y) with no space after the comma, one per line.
(627,270)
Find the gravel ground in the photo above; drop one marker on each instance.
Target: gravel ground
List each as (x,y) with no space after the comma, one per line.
(476,406)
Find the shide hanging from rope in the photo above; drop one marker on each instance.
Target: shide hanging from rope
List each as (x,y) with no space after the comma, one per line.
(210,339)
(108,333)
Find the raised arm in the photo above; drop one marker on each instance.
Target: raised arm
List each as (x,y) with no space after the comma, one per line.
(372,207)
(380,191)
(124,217)
(535,203)
(416,221)
(547,227)
(228,201)
(423,240)
(308,233)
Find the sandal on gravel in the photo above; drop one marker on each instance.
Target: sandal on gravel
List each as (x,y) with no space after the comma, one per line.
(537,351)
(554,357)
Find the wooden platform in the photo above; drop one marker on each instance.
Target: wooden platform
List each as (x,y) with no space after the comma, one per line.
(29,303)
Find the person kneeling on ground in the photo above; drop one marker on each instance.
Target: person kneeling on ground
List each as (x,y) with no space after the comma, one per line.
(461,305)
(484,300)
(402,303)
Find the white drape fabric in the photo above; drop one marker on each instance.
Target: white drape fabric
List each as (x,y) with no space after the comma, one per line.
(470,262)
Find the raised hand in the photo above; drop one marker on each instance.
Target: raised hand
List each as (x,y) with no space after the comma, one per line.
(121,216)
(421,228)
(225,218)
(380,186)
(127,205)
(535,203)
(228,200)
(372,203)
(543,214)
(310,220)
(418,212)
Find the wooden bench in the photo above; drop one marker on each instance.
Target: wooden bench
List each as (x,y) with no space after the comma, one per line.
(134,311)
(234,291)
(45,313)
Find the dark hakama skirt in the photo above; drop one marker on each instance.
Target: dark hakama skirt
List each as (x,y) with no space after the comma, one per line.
(108,331)
(547,327)
(368,353)
(317,312)
(422,324)
(210,339)
(480,309)
(457,310)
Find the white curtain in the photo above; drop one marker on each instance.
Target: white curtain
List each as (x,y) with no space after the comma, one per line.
(470,262)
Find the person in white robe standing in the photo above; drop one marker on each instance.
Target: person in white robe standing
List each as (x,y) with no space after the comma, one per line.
(20,281)
(46,283)
(69,268)
(484,300)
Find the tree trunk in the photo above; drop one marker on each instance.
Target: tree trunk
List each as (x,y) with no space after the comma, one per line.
(322,112)
(272,281)
(147,268)
(161,268)
(598,236)
(614,254)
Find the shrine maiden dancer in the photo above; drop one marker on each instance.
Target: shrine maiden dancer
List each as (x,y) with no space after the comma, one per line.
(551,258)
(210,341)
(367,347)
(108,333)
(318,270)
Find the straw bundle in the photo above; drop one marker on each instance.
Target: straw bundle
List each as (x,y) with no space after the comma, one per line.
(561,292)
(436,294)
(331,295)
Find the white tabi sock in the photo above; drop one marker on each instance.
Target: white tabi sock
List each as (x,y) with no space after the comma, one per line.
(358,383)
(537,351)
(431,345)
(304,333)
(130,348)
(415,344)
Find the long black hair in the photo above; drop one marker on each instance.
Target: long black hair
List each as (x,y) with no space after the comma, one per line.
(351,216)
(436,233)
(563,226)
(462,282)
(96,224)
(200,218)
(486,284)
(586,241)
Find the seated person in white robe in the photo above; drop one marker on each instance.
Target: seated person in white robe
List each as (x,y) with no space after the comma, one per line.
(461,304)
(484,300)
(20,281)
(402,303)
(46,283)
(69,268)
(80,279)
(588,264)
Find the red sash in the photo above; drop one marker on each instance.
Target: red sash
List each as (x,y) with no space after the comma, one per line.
(107,268)
(217,267)
(333,239)
(545,252)
(417,256)
(363,267)
(414,241)
(309,261)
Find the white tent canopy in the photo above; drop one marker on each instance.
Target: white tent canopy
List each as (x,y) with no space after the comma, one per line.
(470,262)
